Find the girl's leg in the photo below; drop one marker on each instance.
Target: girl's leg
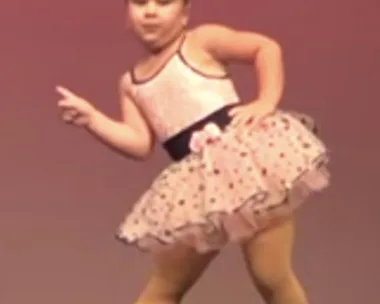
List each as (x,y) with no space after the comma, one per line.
(268,260)
(174,273)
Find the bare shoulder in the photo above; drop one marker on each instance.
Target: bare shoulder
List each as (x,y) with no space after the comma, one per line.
(216,31)
(125,84)
(201,34)
(198,38)
(208,30)
(228,43)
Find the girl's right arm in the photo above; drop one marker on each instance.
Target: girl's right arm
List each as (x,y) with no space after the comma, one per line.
(131,136)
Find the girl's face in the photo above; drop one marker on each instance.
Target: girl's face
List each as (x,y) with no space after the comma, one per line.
(156,22)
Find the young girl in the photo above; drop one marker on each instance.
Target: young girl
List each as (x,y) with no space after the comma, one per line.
(239,170)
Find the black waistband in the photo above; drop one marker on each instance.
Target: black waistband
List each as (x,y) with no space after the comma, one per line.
(178,146)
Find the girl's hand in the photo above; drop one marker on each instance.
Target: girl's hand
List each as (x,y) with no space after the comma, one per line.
(252,113)
(75,110)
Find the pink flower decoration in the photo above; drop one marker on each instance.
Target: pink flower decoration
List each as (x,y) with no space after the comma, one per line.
(207,135)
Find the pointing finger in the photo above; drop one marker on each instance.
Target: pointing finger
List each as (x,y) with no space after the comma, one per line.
(64,92)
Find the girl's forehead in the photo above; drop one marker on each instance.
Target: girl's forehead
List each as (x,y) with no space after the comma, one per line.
(158,1)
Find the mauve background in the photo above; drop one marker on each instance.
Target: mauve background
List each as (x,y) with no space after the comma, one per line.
(63,194)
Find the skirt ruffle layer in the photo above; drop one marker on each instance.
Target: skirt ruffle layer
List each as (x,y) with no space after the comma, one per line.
(234,187)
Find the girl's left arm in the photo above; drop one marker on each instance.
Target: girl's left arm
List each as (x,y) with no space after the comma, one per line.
(229,45)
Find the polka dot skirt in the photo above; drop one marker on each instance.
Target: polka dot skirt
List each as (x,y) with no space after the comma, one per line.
(233,187)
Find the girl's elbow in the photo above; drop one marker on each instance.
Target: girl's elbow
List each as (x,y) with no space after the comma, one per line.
(271,49)
(145,150)
(274,45)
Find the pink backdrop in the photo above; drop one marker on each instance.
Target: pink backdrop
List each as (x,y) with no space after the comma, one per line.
(63,194)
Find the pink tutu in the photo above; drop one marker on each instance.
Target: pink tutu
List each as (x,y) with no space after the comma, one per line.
(231,186)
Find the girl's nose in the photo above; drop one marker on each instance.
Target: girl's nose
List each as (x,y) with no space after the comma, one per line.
(151,9)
